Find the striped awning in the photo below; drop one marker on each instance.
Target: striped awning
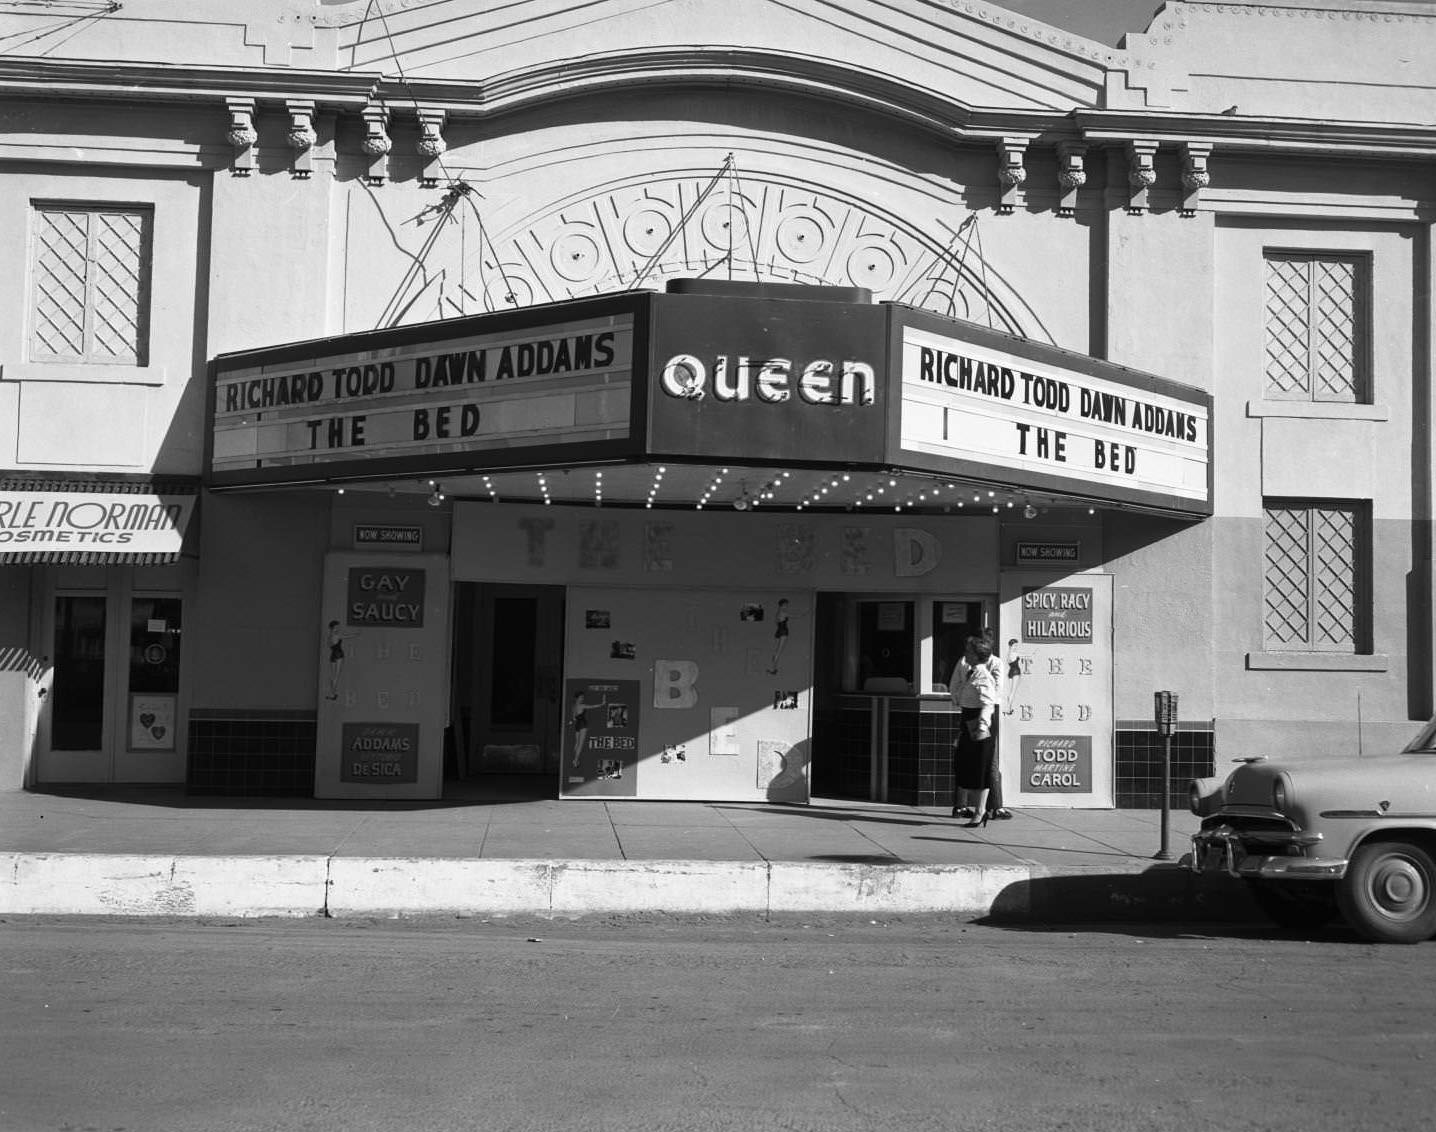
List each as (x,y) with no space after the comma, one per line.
(94,520)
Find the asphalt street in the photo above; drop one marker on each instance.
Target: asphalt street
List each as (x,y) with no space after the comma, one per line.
(700,1023)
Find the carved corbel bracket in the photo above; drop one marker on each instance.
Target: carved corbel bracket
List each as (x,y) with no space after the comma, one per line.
(377,143)
(431,145)
(242,134)
(301,136)
(1011,173)
(1141,174)
(1195,177)
(1071,175)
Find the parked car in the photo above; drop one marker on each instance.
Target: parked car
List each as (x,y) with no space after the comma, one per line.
(1355,836)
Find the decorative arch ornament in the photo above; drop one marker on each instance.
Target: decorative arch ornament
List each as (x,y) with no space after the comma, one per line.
(755,229)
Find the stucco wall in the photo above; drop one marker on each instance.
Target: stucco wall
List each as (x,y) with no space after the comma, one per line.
(1365,453)
(140,418)
(258,623)
(1163,614)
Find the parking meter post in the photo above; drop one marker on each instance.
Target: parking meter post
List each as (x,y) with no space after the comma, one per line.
(1165,713)
(1165,852)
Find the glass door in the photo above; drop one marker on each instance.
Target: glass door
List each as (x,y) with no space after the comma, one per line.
(113,711)
(77,687)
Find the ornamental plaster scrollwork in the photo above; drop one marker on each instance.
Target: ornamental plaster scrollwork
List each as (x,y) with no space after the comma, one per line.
(377,143)
(763,230)
(431,145)
(241,134)
(1141,173)
(1011,173)
(1071,176)
(301,136)
(1195,176)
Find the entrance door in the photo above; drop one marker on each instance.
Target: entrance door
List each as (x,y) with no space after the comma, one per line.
(508,658)
(76,706)
(879,655)
(113,710)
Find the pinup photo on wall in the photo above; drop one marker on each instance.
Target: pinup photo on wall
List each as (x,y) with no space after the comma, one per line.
(334,639)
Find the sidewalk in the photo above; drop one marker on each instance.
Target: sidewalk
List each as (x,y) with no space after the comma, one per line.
(157,851)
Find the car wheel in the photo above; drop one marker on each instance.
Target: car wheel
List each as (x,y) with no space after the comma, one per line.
(1296,905)
(1389,892)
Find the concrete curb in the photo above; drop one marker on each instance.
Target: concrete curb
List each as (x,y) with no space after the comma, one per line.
(86,884)
(138,885)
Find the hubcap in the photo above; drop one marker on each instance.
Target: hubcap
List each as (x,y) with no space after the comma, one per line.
(1398,888)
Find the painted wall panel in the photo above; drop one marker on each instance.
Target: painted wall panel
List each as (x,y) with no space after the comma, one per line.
(383,660)
(99,425)
(689,693)
(257,602)
(1055,729)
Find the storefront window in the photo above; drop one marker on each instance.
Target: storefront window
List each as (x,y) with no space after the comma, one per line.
(154,673)
(155,644)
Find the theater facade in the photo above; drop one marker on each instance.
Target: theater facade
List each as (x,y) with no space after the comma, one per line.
(404,407)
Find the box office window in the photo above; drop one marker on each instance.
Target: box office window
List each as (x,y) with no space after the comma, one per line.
(953,622)
(1315,576)
(886,646)
(1316,322)
(90,281)
(905,647)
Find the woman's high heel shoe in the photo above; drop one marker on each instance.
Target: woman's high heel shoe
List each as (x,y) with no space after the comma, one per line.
(977,824)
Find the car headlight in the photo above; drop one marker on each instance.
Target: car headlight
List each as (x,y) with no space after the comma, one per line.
(1278,794)
(1204,795)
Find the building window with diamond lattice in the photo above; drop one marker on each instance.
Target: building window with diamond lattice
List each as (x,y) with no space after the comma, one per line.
(1316,327)
(90,281)
(1316,568)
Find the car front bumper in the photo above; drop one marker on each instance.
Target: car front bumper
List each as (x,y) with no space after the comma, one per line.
(1223,849)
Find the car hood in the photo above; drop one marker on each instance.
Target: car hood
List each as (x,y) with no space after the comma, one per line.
(1383,783)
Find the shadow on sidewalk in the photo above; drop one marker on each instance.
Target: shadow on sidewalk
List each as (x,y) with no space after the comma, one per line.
(499,790)
(826,811)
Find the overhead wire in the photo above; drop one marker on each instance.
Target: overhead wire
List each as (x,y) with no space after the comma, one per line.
(982,267)
(683,223)
(736,216)
(72,23)
(456,189)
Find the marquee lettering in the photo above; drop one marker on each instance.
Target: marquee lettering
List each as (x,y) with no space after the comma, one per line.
(1056,395)
(574,353)
(740,378)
